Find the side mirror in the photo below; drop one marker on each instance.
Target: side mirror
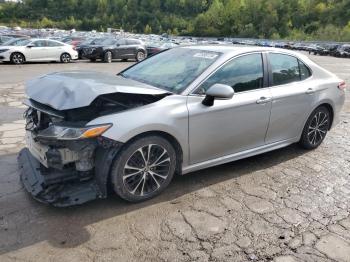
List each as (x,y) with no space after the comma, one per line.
(30,46)
(217,91)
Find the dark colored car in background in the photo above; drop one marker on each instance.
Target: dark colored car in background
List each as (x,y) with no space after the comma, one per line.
(317,49)
(343,51)
(121,48)
(155,48)
(87,43)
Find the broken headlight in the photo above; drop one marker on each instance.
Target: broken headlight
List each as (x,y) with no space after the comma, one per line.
(73,133)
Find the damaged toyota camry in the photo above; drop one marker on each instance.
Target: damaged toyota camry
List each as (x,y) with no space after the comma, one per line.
(179,111)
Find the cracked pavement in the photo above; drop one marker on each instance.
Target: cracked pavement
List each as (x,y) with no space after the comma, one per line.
(286,205)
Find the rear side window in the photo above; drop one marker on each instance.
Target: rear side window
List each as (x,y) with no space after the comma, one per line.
(53,44)
(285,69)
(40,43)
(304,71)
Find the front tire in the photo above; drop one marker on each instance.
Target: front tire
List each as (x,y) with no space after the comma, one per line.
(144,168)
(316,128)
(65,58)
(17,58)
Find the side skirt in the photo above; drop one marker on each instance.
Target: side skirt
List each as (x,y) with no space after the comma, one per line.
(238,156)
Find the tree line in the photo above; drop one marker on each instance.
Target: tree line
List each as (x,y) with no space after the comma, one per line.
(273,19)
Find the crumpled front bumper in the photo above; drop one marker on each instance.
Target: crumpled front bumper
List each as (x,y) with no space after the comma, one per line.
(62,188)
(61,194)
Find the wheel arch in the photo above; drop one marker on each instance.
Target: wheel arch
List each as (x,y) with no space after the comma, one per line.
(329,108)
(331,111)
(173,141)
(18,52)
(326,104)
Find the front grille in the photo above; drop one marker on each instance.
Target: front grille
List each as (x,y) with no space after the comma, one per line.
(88,51)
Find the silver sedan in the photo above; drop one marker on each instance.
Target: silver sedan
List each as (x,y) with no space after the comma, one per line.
(180,111)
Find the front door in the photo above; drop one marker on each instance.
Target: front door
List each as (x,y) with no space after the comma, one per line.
(37,51)
(230,126)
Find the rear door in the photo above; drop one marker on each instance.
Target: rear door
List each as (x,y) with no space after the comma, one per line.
(120,50)
(293,93)
(131,47)
(54,50)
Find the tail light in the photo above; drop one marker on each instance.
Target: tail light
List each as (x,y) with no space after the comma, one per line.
(342,85)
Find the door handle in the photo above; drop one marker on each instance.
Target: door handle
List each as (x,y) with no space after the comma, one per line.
(310,91)
(263,100)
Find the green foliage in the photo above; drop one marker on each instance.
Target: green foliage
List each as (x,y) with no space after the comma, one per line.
(297,19)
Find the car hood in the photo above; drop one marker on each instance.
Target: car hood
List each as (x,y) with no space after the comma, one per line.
(75,89)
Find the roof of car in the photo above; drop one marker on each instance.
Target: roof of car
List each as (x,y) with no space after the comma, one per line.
(235,49)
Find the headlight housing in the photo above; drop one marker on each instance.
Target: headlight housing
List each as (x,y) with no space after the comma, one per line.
(73,133)
(3,50)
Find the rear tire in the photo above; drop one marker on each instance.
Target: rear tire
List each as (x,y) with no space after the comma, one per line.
(107,58)
(143,168)
(316,128)
(65,58)
(140,55)
(17,58)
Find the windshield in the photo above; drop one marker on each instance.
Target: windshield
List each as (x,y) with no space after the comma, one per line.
(172,70)
(17,42)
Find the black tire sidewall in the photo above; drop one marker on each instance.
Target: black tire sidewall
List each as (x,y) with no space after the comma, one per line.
(304,141)
(61,58)
(117,169)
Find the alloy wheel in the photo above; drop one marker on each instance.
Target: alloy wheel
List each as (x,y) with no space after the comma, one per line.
(146,170)
(318,128)
(65,58)
(17,58)
(140,56)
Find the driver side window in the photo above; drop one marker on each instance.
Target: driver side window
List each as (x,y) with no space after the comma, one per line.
(243,73)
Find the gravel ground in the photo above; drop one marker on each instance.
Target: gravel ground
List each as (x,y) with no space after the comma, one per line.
(286,205)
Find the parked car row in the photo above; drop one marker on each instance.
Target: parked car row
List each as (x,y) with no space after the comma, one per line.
(332,49)
(64,46)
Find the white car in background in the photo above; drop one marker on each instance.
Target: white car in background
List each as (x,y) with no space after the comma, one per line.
(37,50)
